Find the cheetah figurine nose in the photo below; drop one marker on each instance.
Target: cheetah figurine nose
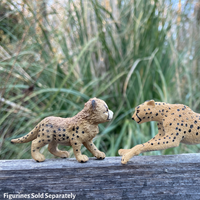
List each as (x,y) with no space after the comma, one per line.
(132,118)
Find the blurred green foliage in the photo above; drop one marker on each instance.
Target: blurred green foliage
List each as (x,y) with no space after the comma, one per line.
(124,52)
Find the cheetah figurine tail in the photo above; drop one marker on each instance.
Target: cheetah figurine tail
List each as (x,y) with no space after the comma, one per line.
(176,123)
(75,131)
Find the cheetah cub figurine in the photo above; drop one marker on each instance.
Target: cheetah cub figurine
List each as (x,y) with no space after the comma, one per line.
(75,131)
(176,123)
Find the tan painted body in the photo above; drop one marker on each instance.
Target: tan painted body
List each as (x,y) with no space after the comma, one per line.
(177,124)
(75,131)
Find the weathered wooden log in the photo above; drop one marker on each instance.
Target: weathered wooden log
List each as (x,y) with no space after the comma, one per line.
(144,177)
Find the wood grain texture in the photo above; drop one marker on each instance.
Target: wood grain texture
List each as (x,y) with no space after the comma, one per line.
(144,177)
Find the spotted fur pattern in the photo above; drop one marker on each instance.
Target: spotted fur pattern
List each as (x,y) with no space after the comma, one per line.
(177,124)
(75,131)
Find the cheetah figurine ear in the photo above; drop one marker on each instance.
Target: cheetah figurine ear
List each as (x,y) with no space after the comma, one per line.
(93,104)
(151,103)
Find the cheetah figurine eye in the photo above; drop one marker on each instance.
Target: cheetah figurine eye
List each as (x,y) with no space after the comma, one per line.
(138,111)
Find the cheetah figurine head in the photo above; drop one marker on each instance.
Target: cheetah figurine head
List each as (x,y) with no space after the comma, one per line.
(176,123)
(74,131)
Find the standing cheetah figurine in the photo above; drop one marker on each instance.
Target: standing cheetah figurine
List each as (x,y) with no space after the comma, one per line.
(75,131)
(176,123)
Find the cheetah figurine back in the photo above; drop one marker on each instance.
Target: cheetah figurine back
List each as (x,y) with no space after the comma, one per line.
(177,124)
(75,131)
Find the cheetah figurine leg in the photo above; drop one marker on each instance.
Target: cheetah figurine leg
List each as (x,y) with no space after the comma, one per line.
(56,152)
(93,149)
(158,137)
(149,146)
(77,152)
(35,150)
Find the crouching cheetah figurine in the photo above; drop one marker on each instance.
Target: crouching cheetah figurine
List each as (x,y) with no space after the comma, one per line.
(75,131)
(176,123)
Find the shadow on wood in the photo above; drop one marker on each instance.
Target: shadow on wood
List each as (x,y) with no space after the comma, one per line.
(144,177)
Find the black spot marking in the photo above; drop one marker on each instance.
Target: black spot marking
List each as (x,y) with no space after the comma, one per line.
(31,132)
(77,127)
(177,133)
(197,133)
(151,143)
(195,121)
(48,136)
(191,126)
(83,132)
(64,130)
(59,129)
(77,136)
(63,135)
(59,135)
(178,109)
(76,131)
(54,131)
(73,129)
(189,130)
(170,124)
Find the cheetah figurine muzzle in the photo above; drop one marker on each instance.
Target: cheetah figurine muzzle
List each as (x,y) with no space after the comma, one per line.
(177,124)
(75,131)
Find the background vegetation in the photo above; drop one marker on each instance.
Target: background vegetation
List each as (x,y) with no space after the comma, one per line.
(55,55)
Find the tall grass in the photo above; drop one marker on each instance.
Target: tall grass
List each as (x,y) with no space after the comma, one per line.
(124,52)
